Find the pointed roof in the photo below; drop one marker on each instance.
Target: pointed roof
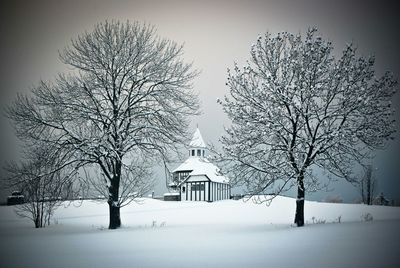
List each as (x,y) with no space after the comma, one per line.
(197,140)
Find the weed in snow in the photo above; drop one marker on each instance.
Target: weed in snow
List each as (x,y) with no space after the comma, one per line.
(367,217)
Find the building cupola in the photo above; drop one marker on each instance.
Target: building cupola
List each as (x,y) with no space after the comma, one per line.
(197,146)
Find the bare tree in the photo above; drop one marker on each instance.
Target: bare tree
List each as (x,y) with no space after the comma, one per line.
(295,108)
(43,180)
(130,92)
(368,186)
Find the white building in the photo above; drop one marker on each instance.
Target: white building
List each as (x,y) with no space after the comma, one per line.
(197,178)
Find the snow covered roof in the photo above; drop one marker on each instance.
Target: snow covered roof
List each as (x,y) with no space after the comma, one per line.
(201,166)
(197,140)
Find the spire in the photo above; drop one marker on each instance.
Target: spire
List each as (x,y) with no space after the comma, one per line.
(197,140)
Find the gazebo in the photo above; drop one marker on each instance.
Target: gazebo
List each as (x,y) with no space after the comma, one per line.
(197,179)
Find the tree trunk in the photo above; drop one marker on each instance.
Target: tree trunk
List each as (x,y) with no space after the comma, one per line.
(299,218)
(115,218)
(37,222)
(36,215)
(369,199)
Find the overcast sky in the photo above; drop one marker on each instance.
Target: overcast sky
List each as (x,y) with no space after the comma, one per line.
(214,33)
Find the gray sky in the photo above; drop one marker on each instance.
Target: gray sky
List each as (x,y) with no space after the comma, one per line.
(215,34)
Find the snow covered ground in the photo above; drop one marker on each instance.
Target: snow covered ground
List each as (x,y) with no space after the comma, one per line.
(198,234)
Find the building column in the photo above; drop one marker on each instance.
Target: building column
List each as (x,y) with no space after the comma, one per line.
(208,186)
(195,192)
(191,185)
(204,191)
(186,187)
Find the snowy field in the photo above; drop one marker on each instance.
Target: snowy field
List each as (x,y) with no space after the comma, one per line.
(198,234)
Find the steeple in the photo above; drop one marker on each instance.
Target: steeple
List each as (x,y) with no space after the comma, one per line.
(197,146)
